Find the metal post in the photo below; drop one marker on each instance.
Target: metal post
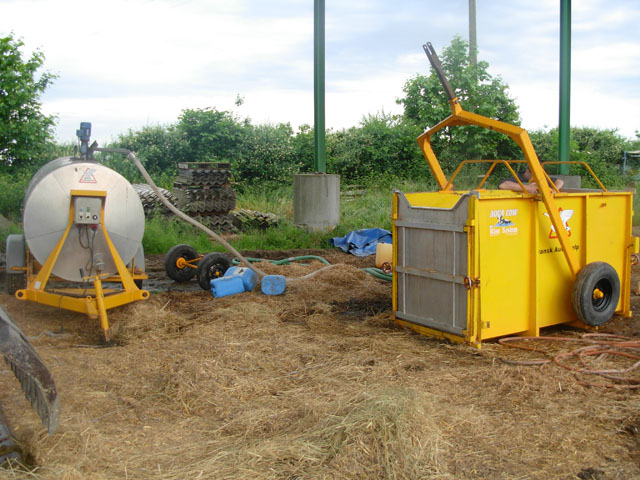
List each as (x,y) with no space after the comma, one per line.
(319,152)
(473,41)
(564,127)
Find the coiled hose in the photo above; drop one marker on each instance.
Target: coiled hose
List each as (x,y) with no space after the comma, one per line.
(246,261)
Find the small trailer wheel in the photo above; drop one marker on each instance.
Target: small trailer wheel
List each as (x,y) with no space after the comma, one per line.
(212,265)
(174,263)
(595,293)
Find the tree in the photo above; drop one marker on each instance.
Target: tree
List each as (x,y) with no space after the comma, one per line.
(24,130)
(425,104)
(382,145)
(268,156)
(156,146)
(208,135)
(602,150)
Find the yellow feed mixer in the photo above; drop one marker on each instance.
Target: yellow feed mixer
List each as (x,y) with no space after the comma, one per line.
(83,224)
(480,264)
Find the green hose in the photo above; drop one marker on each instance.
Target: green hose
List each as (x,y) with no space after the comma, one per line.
(376,272)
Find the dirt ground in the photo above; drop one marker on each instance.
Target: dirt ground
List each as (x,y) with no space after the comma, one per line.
(316,383)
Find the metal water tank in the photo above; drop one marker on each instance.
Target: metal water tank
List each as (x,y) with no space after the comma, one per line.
(47,207)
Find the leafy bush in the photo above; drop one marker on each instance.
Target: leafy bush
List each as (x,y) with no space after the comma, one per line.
(155,146)
(13,188)
(383,145)
(208,134)
(268,157)
(600,149)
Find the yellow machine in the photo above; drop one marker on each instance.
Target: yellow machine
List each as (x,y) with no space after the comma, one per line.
(83,224)
(479,264)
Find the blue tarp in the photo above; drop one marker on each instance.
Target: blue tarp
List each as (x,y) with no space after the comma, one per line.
(362,242)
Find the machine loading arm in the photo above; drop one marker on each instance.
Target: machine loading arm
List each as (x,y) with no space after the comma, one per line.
(35,379)
(458,117)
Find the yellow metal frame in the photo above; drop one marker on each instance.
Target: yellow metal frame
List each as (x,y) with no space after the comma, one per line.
(94,302)
(519,135)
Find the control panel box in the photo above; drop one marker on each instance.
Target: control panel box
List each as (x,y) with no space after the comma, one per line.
(87,210)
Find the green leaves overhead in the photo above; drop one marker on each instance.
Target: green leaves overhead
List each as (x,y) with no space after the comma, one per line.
(24,129)
(425,104)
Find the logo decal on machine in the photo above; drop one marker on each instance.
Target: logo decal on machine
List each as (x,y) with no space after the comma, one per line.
(505,224)
(565,216)
(88,176)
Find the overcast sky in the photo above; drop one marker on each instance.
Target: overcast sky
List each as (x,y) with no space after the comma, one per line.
(128,63)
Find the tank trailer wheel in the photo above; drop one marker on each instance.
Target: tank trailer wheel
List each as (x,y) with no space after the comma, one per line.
(15,281)
(212,265)
(175,263)
(595,293)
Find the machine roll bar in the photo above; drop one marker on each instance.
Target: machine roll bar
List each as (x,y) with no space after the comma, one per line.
(519,135)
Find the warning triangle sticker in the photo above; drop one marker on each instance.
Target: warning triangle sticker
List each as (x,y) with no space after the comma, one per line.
(88,176)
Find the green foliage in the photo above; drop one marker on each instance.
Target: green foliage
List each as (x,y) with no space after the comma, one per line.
(303,147)
(24,130)
(602,150)
(268,156)
(383,145)
(161,233)
(13,188)
(607,144)
(207,135)
(268,198)
(6,229)
(156,148)
(425,104)
(369,210)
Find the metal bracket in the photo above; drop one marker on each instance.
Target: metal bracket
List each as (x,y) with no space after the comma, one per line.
(469,283)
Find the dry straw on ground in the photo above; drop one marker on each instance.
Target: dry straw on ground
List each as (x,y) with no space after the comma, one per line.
(317,383)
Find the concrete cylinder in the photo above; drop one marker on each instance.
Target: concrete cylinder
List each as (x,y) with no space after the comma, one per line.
(570,181)
(316,201)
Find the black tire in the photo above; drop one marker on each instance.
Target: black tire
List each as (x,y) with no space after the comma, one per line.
(212,265)
(595,293)
(15,282)
(171,263)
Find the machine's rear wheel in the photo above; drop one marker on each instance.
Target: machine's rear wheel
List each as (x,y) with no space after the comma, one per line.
(175,263)
(15,281)
(595,293)
(213,265)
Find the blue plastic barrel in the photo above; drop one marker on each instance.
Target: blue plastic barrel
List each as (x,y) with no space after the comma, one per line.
(249,277)
(223,286)
(273,284)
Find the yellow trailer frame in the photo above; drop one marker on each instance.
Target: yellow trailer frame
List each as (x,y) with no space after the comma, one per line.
(92,301)
(548,289)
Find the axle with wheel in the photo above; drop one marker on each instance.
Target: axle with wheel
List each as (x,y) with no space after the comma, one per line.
(183,262)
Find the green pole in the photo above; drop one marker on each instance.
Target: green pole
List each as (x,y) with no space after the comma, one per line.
(564,127)
(473,42)
(319,148)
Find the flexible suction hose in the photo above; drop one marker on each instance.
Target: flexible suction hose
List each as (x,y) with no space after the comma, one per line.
(178,213)
(214,235)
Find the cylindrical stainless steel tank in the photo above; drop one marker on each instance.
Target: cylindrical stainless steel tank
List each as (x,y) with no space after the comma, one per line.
(46,216)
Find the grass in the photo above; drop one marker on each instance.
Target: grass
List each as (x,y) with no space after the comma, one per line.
(370,207)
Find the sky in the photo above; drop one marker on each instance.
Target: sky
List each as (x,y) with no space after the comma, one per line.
(125,64)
